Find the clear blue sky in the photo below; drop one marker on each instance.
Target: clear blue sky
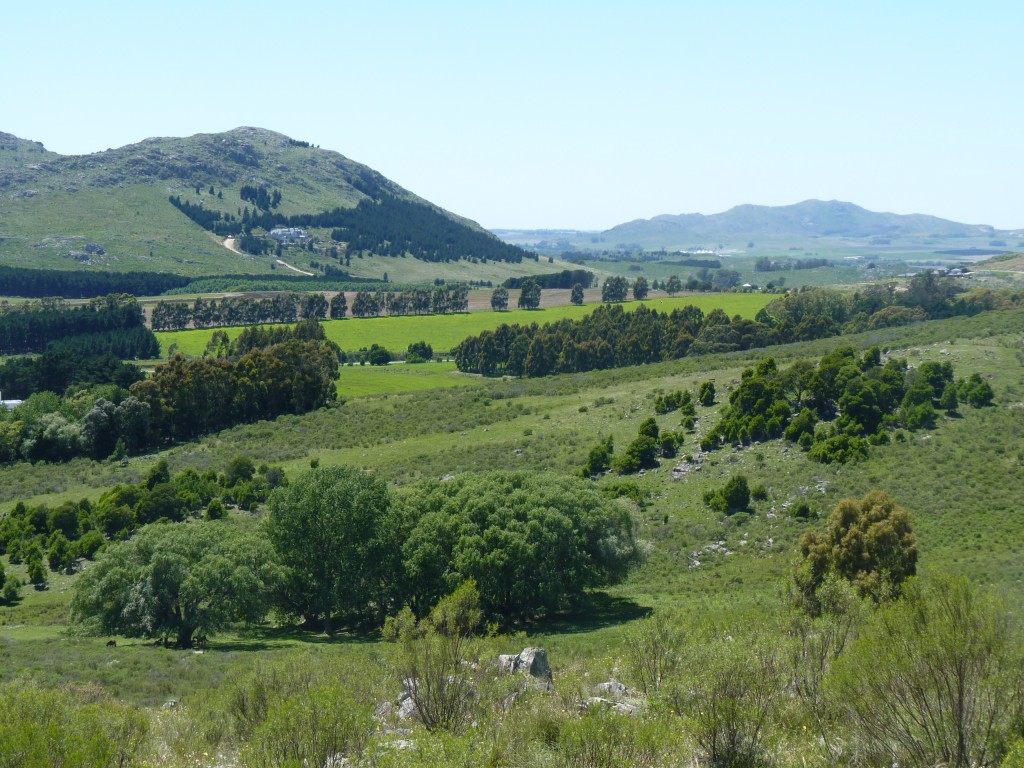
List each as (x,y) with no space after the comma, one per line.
(560,114)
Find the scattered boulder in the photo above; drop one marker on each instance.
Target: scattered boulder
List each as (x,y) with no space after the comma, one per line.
(532,661)
(612,688)
(621,707)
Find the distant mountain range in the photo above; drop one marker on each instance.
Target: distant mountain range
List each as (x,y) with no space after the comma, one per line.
(113,210)
(811,219)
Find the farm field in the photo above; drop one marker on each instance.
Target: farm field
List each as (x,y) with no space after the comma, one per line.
(443,332)
(362,380)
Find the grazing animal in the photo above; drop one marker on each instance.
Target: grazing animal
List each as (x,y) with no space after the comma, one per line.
(200,641)
(111,643)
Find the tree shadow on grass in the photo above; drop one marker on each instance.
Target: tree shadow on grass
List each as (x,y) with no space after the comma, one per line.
(598,611)
(277,638)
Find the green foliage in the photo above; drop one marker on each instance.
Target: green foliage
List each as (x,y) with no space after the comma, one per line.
(733,497)
(421,349)
(615,288)
(334,530)
(433,656)
(676,401)
(655,652)
(732,703)
(377,355)
(499,299)
(576,296)
(604,738)
(529,294)
(176,580)
(640,454)
(239,470)
(317,726)
(599,459)
(869,543)
(975,391)
(706,394)
(532,542)
(40,728)
(640,288)
(934,678)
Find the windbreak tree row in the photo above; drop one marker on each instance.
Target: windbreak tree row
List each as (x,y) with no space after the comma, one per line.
(611,337)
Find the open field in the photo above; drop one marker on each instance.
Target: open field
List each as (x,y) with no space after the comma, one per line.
(445,331)
(362,380)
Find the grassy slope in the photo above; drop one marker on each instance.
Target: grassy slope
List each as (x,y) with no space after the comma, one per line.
(445,331)
(52,205)
(960,481)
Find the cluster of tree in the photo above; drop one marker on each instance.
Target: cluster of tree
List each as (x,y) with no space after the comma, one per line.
(835,408)
(275,282)
(31,326)
(58,538)
(187,398)
(823,312)
(441,300)
(57,369)
(340,548)
(386,226)
(239,310)
(607,338)
(258,196)
(181,400)
(222,224)
(611,337)
(567,278)
(642,453)
(40,283)
(765,264)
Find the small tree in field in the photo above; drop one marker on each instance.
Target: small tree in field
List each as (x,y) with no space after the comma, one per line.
(869,543)
(576,297)
(640,288)
(499,299)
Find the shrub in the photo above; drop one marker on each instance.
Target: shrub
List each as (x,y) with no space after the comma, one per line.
(47,727)
(315,727)
(934,679)
(869,542)
(733,497)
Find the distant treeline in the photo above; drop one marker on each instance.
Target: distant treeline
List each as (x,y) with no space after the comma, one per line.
(567,278)
(77,284)
(386,226)
(290,307)
(238,310)
(439,301)
(611,337)
(764,264)
(81,345)
(30,327)
(695,263)
(294,373)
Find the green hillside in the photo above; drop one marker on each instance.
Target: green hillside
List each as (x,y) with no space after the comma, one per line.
(112,211)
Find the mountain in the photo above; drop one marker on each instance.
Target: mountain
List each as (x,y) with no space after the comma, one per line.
(168,204)
(809,219)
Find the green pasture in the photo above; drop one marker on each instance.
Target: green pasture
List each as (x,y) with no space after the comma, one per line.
(445,331)
(360,380)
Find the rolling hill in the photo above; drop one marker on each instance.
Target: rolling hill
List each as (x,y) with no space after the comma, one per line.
(824,223)
(113,210)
